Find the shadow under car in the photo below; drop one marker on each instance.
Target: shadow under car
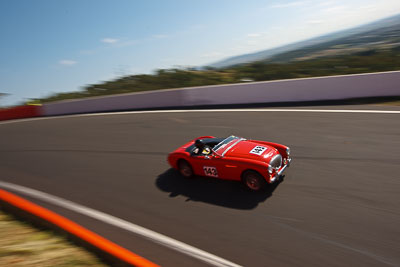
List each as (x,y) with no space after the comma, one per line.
(231,194)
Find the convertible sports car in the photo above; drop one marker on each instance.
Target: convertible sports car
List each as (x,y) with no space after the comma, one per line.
(255,163)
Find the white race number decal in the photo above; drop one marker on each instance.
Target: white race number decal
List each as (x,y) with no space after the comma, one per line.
(258,150)
(210,171)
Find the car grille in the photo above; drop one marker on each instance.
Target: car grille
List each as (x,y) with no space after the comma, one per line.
(276,161)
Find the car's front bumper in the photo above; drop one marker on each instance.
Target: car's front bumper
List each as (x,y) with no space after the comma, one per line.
(276,175)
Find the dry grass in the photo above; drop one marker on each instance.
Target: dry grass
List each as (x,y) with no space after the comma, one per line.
(23,245)
(391,103)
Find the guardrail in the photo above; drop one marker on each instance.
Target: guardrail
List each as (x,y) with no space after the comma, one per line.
(293,90)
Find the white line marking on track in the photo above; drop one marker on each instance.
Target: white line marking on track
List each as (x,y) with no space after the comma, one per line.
(207,110)
(128,226)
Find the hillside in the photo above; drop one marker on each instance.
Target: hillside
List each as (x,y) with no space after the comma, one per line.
(380,34)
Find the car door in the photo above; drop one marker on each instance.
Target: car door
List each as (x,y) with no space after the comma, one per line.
(210,166)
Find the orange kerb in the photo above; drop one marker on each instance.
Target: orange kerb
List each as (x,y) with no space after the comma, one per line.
(77,230)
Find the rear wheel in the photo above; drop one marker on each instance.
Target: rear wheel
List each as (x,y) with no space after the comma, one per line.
(253,180)
(185,169)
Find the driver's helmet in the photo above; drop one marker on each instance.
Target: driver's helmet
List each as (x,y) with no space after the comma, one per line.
(199,143)
(206,151)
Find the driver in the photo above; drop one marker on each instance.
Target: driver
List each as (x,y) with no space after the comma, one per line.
(201,148)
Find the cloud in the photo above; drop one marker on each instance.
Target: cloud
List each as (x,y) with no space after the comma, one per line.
(237,48)
(315,21)
(335,9)
(67,62)
(368,7)
(109,40)
(290,4)
(327,3)
(128,43)
(167,59)
(252,42)
(254,35)
(212,55)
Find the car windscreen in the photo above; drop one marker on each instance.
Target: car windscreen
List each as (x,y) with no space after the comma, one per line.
(220,146)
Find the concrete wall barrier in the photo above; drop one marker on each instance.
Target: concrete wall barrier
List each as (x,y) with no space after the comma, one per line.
(294,90)
(152,99)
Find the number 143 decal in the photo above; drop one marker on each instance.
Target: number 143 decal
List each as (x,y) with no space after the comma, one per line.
(210,171)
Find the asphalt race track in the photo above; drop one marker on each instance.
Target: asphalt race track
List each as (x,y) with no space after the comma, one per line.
(338,204)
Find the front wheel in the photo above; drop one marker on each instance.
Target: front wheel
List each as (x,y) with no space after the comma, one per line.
(185,169)
(253,180)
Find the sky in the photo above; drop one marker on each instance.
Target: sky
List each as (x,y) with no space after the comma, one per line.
(50,46)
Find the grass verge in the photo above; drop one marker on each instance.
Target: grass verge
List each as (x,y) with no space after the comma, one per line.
(23,245)
(391,103)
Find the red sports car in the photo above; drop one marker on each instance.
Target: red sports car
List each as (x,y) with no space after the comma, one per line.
(255,163)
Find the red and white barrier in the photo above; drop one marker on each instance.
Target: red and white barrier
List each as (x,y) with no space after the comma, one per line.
(20,112)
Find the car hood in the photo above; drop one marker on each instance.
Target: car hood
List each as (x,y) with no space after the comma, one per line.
(252,150)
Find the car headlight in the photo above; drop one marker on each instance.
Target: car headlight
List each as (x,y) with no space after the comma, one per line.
(288,151)
(270,169)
